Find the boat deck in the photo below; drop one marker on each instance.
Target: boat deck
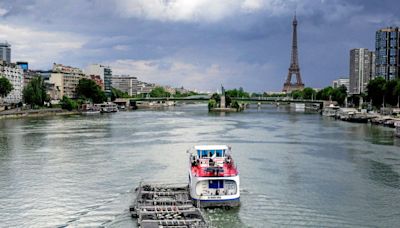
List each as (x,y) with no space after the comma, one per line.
(166,206)
(227,170)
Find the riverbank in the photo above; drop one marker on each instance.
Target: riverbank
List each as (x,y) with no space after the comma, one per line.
(12,114)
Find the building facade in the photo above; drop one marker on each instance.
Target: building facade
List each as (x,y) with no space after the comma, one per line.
(105,74)
(14,74)
(65,79)
(125,83)
(5,52)
(341,81)
(387,51)
(145,88)
(361,69)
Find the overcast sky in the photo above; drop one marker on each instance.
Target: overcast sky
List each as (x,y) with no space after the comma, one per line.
(196,43)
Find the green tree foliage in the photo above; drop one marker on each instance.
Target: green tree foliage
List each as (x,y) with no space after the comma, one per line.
(237,93)
(187,94)
(68,104)
(88,89)
(297,94)
(159,92)
(216,97)
(379,89)
(329,93)
(5,86)
(116,93)
(376,91)
(309,93)
(34,93)
(212,104)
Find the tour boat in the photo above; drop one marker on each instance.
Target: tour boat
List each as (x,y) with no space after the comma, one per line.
(397,126)
(213,177)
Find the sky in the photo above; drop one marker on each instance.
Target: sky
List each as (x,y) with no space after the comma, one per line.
(198,44)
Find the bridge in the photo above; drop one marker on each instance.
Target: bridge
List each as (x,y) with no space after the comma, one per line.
(203,98)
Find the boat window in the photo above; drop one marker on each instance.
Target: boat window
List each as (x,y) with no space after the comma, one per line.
(216,184)
(198,153)
(212,152)
(204,153)
(219,153)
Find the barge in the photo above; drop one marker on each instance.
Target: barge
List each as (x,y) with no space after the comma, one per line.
(163,205)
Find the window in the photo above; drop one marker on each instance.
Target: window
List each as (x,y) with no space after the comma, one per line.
(212,152)
(216,184)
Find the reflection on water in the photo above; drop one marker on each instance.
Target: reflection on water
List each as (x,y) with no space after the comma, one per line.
(296,169)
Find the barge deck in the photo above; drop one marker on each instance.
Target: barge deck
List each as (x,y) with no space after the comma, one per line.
(163,205)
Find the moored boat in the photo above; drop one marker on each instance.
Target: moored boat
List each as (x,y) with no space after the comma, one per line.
(397,127)
(330,111)
(107,107)
(213,177)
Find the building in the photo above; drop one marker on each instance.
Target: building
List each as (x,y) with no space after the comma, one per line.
(387,51)
(97,80)
(361,69)
(105,74)
(126,83)
(341,81)
(14,74)
(5,52)
(170,90)
(65,79)
(24,65)
(145,88)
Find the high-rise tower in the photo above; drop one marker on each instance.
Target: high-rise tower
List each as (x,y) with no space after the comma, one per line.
(294,68)
(5,52)
(387,51)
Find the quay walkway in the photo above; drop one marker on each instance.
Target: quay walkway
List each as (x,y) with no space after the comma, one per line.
(162,205)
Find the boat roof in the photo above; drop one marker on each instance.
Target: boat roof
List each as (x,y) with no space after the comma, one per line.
(211,147)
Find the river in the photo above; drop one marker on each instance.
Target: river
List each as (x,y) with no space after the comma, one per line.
(297,169)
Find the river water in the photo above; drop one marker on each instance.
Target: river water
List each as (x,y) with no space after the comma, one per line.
(296,169)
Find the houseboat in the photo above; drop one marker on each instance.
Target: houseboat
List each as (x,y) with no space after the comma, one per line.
(330,111)
(397,127)
(88,109)
(107,107)
(213,176)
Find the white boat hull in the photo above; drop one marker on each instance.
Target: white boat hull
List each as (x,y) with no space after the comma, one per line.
(215,191)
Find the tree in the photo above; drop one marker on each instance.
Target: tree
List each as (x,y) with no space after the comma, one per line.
(397,92)
(237,93)
(376,91)
(68,104)
(5,87)
(308,93)
(216,97)
(88,89)
(159,92)
(297,94)
(34,93)
(338,94)
(116,93)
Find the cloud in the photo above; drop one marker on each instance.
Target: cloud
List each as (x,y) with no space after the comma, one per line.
(192,75)
(3,12)
(39,47)
(184,10)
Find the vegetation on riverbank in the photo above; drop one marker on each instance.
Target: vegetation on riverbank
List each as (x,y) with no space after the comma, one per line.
(383,93)
(34,94)
(5,87)
(215,100)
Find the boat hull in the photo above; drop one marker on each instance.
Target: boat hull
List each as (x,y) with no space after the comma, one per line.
(208,192)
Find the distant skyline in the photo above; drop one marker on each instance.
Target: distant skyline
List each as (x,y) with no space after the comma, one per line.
(198,43)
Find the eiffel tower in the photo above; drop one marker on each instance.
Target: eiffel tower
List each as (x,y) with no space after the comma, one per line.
(294,68)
